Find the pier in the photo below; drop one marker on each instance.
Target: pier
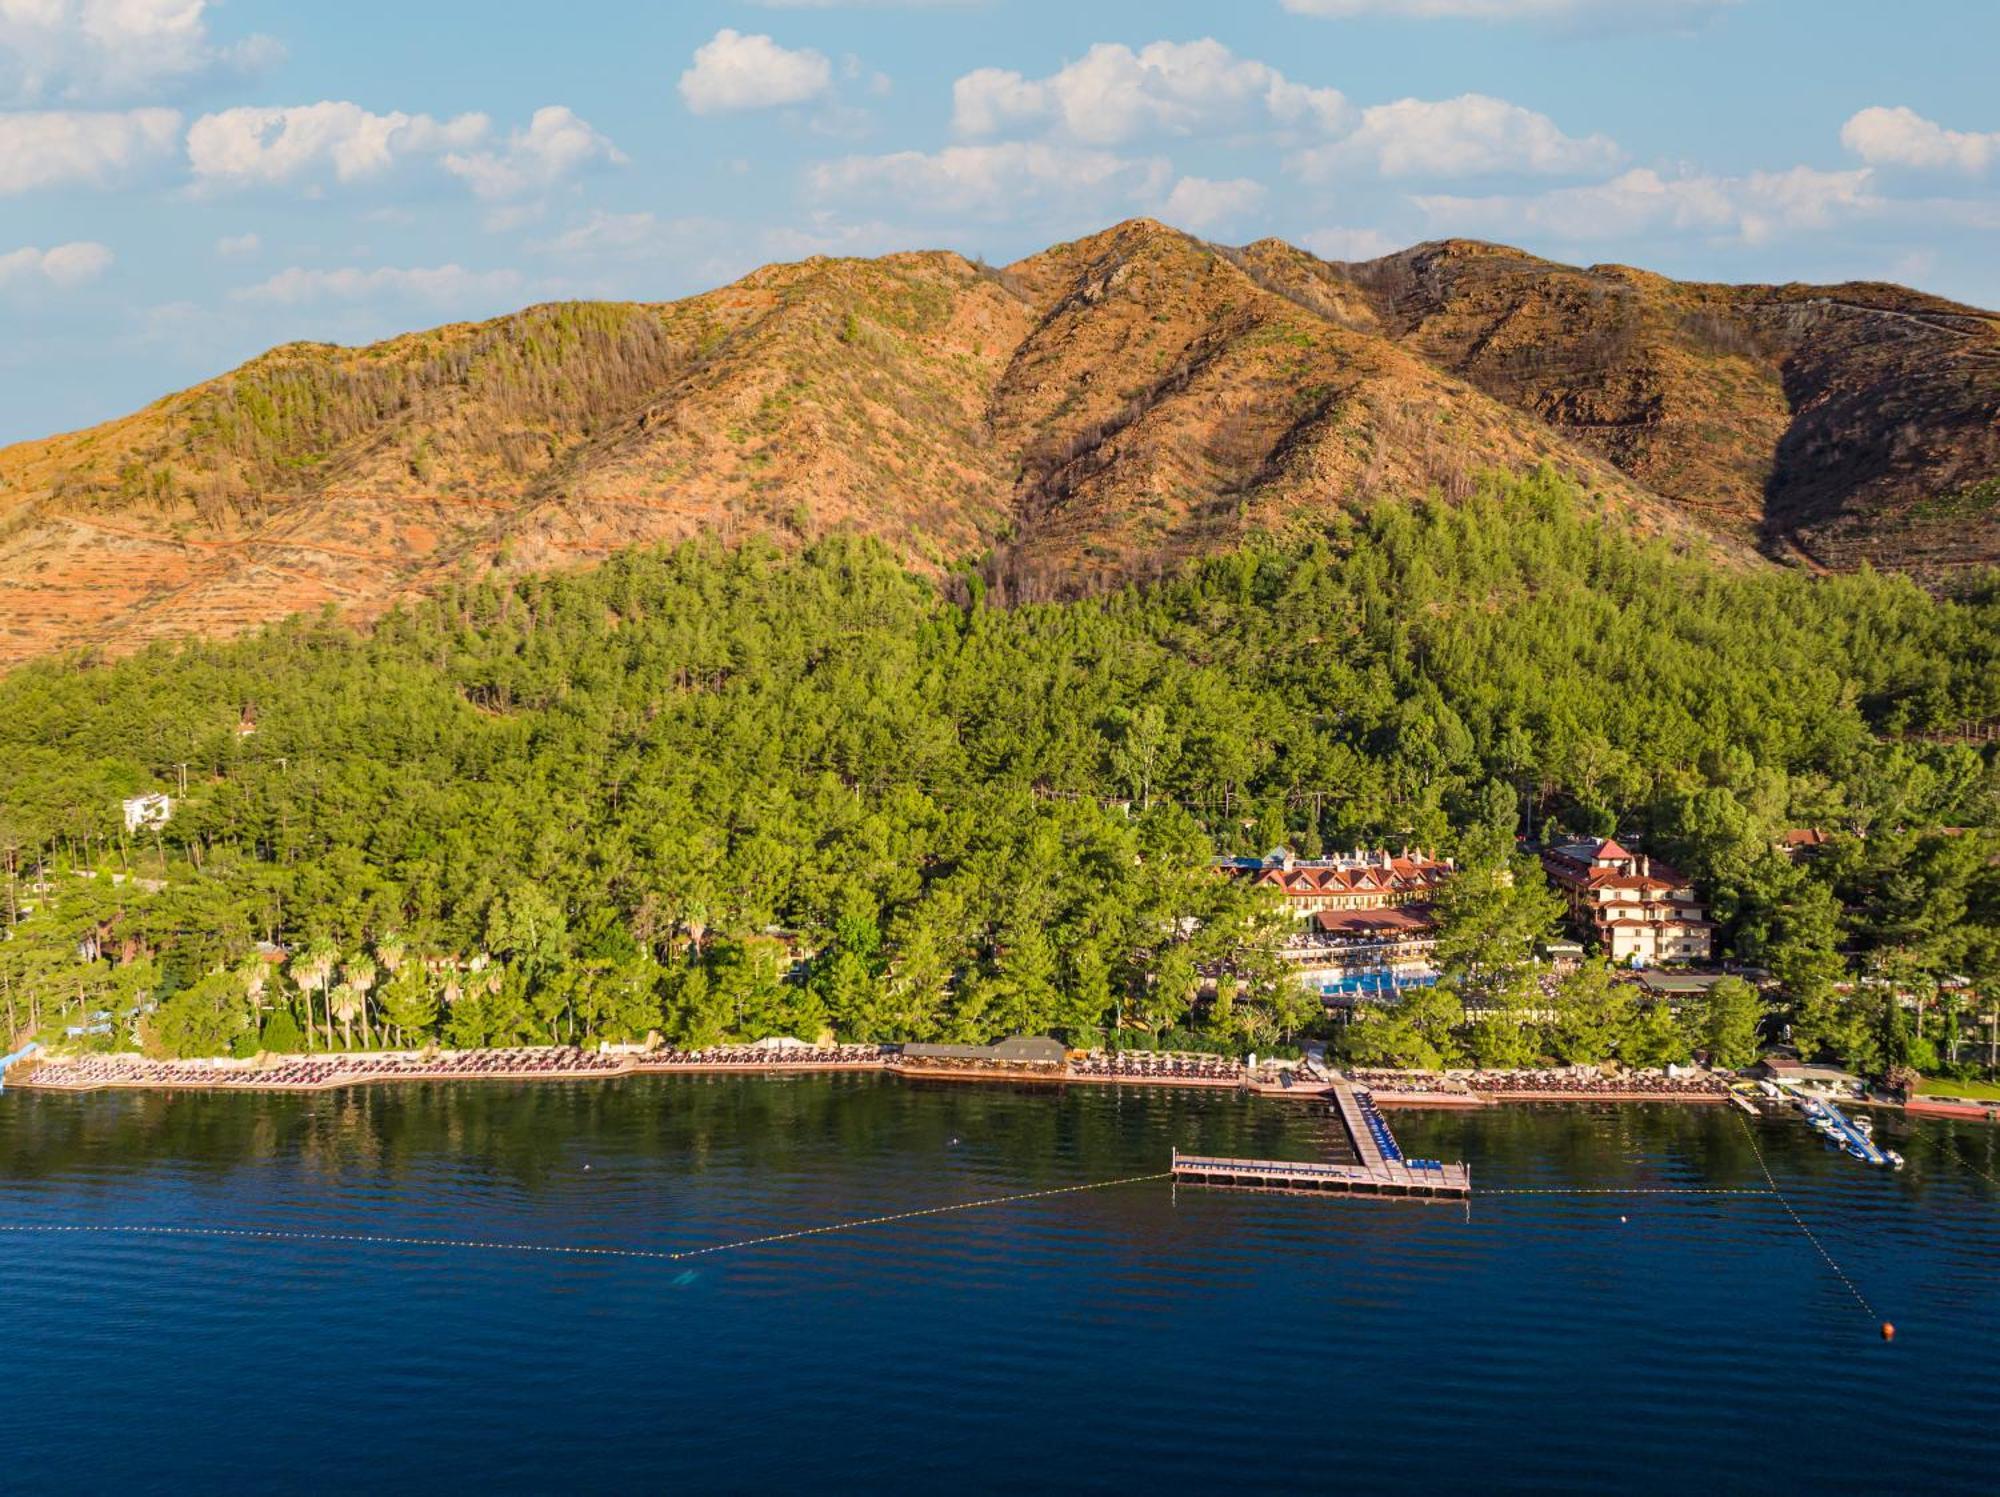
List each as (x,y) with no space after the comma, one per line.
(26,1052)
(1843,1132)
(1381,1171)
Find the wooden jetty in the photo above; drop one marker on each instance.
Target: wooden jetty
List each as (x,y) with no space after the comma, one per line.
(1446,1182)
(1376,1174)
(1348,1104)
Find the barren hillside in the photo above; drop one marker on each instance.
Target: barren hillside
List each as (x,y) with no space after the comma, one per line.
(1098,411)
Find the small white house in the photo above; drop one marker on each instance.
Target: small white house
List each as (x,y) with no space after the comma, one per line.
(148,811)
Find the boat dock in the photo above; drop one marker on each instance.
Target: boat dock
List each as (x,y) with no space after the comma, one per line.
(1841,1130)
(1381,1171)
(26,1052)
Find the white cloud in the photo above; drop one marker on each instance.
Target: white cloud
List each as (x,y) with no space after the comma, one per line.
(1471,135)
(642,238)
(615,234)
(269,147)
(825,233)
(1902,137)
(1114,94)
(995,181)
(646,255)
(733,71)
(1753,209)
(66,265)
(95,48)
(1771,203)
(555,144)
(437,283)
(72,148)
(236,245)
(252,146)
(1337,243)
(990,101)
(1621,13)
(1198,203)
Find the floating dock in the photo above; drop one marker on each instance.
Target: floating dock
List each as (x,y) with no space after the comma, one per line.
(1843,1133)
(1382,1170)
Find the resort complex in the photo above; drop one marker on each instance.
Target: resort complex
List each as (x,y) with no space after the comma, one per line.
(1361,922)
(1636,908)
(1364,924)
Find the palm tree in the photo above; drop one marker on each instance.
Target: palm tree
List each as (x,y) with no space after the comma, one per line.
(311,969)
(256,975)
(390,953)
(343,1003)
(360,975)
(487,974)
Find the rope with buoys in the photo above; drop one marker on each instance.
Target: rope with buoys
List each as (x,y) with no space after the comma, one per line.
(1888,1330)
(1952,1148)
(1618,1190)
(363,1239)
(658,1255)
(904,1216)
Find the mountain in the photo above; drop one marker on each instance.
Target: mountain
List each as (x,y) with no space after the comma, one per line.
(1837,423)
(1099,411)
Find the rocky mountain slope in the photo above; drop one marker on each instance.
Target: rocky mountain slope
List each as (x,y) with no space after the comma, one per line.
(1099,411)
(1835,423)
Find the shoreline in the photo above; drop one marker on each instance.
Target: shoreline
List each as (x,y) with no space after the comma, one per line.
(324,1072)
(1452,1101)
(1970,1111)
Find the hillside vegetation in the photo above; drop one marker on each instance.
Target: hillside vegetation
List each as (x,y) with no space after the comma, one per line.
(586,800)
(1102,412)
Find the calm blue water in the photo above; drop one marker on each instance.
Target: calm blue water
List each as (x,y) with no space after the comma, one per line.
(1133,1338)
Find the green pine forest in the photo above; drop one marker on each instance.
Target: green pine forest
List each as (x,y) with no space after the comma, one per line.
(724,794)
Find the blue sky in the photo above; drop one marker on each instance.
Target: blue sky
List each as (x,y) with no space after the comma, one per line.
(184,183)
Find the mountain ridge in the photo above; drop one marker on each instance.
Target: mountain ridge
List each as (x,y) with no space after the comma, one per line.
(1102,410)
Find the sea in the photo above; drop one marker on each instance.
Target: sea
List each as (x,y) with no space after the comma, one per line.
(747,1284)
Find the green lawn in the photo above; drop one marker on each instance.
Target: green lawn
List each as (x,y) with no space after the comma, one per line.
(1978,1091)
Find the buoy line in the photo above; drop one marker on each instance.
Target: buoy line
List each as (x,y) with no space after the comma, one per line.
(1959,1154)
(904,1216)
(365,1239)
(1615,1190)
(657,1255)
(1799,1221)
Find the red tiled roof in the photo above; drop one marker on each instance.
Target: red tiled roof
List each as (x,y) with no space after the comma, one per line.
(1568,870)
(1407,919)
(1404,874)
(1639,882)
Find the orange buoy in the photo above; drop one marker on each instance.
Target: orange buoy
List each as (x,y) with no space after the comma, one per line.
(1888,1331)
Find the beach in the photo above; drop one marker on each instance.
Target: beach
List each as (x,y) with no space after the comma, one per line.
(328,1071)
